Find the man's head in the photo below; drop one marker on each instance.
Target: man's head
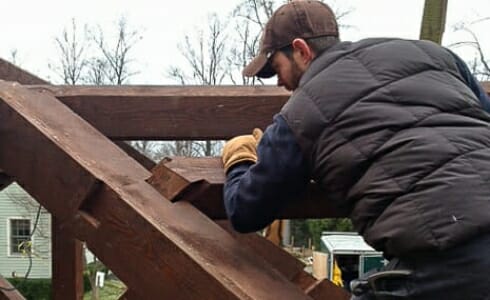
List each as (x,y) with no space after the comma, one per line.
(295,34)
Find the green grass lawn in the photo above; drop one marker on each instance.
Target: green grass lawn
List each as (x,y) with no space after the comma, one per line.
(112,290)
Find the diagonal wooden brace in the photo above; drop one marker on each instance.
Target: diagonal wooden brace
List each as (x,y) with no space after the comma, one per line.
(8,292)
(289,266)
(199,181)
(281,260)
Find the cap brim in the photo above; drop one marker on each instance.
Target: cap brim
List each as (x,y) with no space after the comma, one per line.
(260,67)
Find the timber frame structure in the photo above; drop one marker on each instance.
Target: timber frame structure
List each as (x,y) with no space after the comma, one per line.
(160,228)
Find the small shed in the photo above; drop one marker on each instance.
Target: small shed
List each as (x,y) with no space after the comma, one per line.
(352,255)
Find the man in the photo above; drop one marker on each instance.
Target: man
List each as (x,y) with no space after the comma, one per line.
(395,133)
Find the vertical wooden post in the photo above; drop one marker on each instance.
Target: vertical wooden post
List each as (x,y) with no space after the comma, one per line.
(67,264)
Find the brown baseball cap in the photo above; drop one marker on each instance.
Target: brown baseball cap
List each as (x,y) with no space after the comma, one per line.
(296,19)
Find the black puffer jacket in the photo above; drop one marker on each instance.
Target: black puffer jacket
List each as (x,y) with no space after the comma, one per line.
(398,141)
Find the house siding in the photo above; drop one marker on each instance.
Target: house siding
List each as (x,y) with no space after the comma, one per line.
(15,203)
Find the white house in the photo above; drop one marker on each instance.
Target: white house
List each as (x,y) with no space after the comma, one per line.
(18,220)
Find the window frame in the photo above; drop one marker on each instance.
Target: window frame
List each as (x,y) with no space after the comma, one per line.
(10,253)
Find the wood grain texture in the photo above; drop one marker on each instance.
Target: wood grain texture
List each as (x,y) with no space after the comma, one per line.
(172,113)
(11,72)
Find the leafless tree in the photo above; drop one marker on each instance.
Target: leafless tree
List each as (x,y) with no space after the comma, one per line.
(96,71)
(14,57)
(255,11)
(479,64)
(73,52)
(250,18)
(204,54)
(115,63)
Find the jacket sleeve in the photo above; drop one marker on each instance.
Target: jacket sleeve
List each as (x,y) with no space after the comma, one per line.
(471,82)
(255,193)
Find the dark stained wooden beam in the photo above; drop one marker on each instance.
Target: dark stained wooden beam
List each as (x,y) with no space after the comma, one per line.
(200,182)
(172,113)
(284,262)
(129,295)
(10,72)
(67,264)
(291,267)
(281,260)
(5,180)
(8,291)
(160,249)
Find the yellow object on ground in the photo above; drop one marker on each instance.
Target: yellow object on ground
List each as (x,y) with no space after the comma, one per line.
(337,274)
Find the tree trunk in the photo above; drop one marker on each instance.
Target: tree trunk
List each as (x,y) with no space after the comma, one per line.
(434,20)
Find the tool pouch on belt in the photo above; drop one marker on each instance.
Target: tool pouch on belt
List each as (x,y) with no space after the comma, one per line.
(383,285)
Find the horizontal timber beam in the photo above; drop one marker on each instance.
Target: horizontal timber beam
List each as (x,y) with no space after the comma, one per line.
(172,113)
(200,182)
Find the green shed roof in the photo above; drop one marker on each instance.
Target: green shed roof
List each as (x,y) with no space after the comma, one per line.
(345,242)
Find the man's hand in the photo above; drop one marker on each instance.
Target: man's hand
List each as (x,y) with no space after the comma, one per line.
(241,148)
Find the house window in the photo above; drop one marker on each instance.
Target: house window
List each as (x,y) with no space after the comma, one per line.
(20,235)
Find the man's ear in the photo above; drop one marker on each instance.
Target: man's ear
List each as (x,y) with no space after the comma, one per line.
(300,47)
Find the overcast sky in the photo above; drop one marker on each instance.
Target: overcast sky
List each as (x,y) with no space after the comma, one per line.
(31,26)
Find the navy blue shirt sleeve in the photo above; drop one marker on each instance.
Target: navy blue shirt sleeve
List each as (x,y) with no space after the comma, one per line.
(472,82)
(255,193)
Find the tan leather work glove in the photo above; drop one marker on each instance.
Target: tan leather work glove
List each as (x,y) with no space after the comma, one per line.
(241,148)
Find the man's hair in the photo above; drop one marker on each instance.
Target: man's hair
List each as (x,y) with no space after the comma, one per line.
(317,44)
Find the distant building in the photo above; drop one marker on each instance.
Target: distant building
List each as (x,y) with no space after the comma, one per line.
(18,212)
